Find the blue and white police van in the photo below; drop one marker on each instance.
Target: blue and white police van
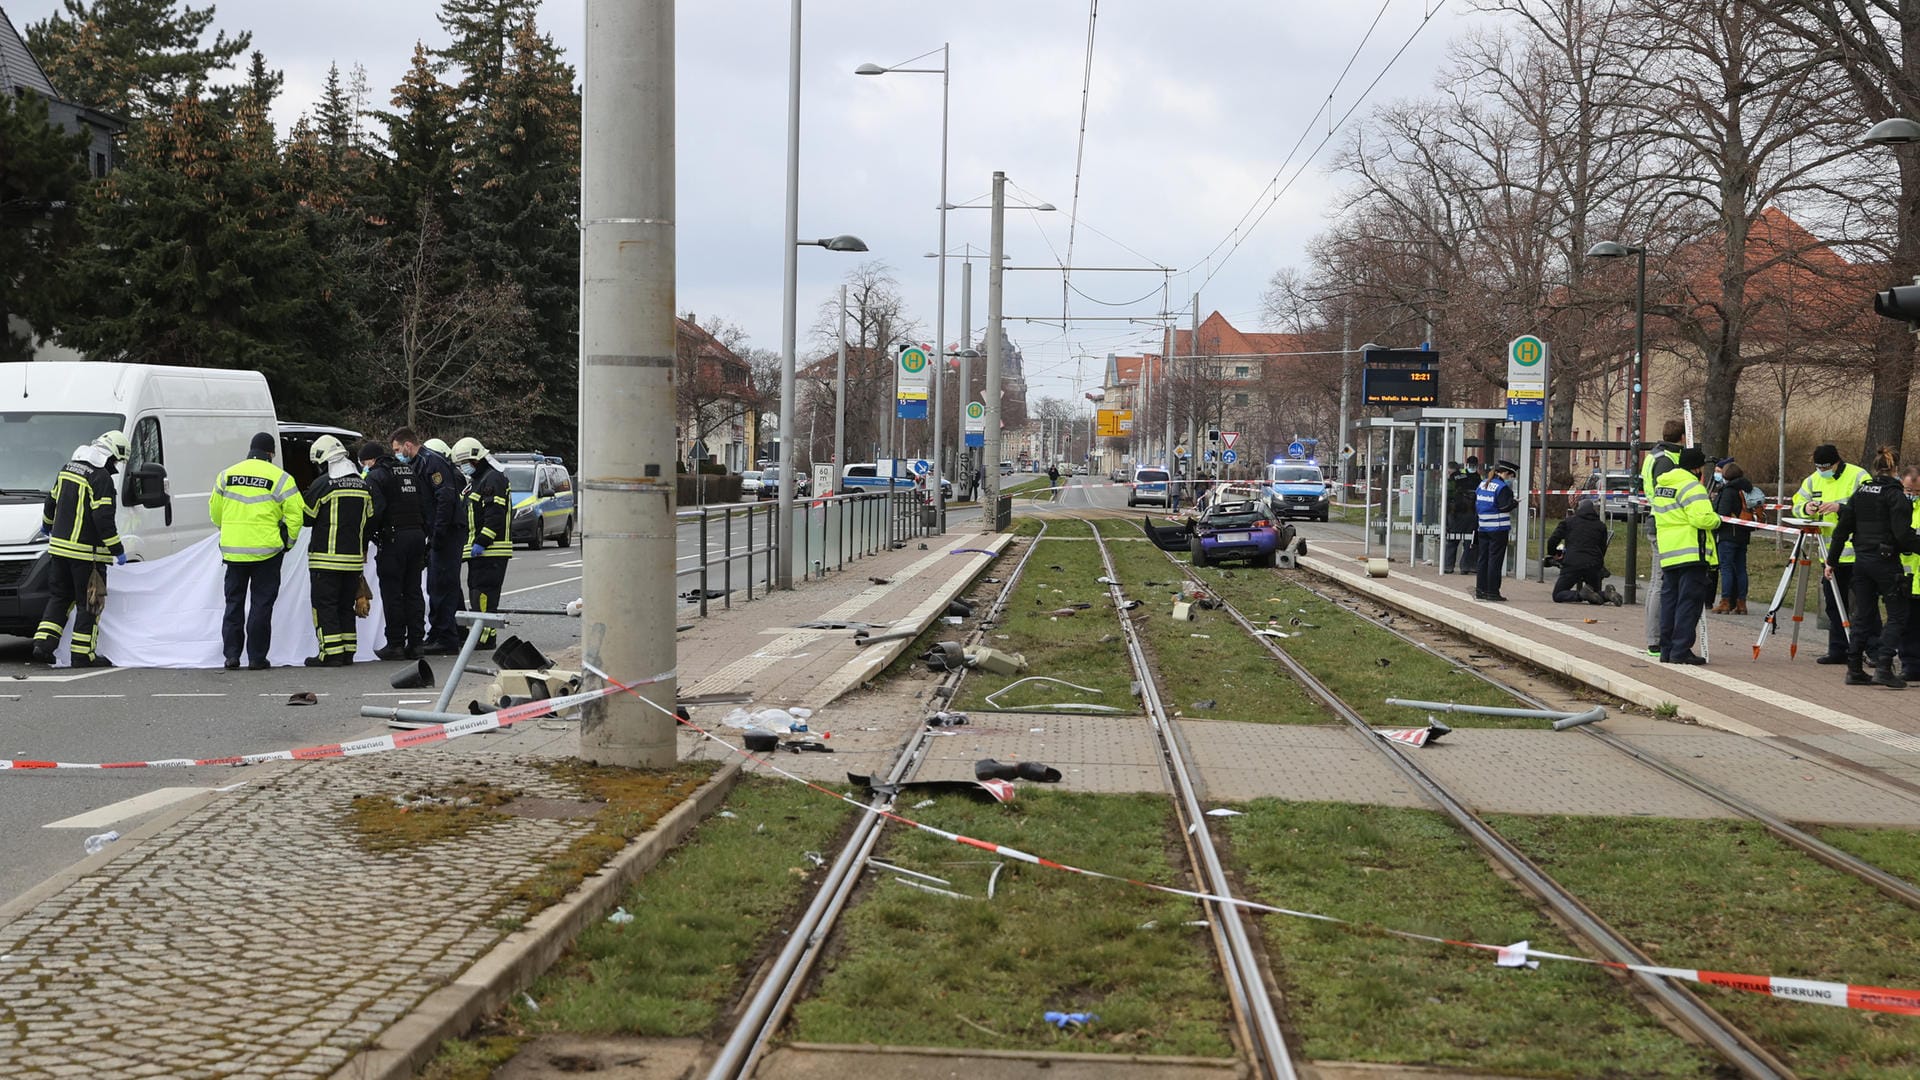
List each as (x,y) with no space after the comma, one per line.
(1295,487)
(541,499)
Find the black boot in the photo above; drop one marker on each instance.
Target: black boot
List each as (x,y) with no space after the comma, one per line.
(1884,675)
(1857,672)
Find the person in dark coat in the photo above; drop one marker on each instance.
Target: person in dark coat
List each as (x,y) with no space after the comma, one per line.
(1580,544)
(1462,521)
(1733,497)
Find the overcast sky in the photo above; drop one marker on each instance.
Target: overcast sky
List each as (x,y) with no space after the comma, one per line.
(1194,107)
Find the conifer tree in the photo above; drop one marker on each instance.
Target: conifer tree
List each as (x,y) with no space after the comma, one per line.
(40,177)
(132,58)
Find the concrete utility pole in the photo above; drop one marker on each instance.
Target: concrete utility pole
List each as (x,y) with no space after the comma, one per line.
(840,402)
(784,526)
(1193,432)
(966,369)
(627,443)
(1346,402)
(990,487)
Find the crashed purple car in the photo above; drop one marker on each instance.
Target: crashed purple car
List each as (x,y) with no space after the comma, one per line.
(1235,530)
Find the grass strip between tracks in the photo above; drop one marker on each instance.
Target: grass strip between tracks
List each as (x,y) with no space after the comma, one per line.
(1726,895)
(1082,648)
(916,969)
(1354,997)
(701,920)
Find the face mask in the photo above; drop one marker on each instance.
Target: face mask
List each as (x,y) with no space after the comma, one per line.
(1718,478)
(466,470)
(1826,473)
(402,456)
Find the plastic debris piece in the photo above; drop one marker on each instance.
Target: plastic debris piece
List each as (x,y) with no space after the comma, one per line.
(728,814)
(98,842)
(304,697)
(1149,924)
(1206,703)
(924,803)
(994,877)
(1064,1020)
(575,607)
(527,1000)
(909,873)
(1209,637)
(814,857)
(1034,678)
(620,917)
(1515,955)
(935,890)
(1221,811)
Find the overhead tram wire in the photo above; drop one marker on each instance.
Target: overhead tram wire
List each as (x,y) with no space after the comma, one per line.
(1079,160)
(1239,235)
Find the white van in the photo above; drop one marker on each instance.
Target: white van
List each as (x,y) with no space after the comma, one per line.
(184,425)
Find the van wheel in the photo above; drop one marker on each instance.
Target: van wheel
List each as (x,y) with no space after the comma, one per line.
(566,533)
(539,537)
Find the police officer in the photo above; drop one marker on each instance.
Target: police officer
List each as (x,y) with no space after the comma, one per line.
(401,508)
(489,544)
(445,532)
(1493,503)
(1462,520)
(1664,456)
(1878,520)
(77,522)
(259,511)
(1910,641)
(1820,497)
(339,505)
(1684,524)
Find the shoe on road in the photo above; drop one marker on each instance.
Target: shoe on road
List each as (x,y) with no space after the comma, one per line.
(317,661)
(1494,598)
(1831,658)
(1613,596)
(1590,594)
(92,661)
(42,655)
(1886,677)
(233,663)
(1686,658)
(259,665)
(390,653)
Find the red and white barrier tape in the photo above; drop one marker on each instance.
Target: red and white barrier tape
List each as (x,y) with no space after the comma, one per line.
(405,740)
(1842,995)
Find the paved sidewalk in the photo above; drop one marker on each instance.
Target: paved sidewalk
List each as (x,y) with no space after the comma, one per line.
(1793,701)
(253,931)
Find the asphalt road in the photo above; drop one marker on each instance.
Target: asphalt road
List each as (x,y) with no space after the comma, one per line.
(150,714)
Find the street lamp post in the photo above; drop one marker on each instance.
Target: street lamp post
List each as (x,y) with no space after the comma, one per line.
(783,530)
(1637,407)
(940,288)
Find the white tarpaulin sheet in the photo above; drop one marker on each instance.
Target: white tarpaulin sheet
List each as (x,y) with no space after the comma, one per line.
(166,612)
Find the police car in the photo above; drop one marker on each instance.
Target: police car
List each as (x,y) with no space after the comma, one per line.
(1297,488)
(541,502)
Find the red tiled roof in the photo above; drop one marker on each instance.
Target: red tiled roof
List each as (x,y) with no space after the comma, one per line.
(1218,337)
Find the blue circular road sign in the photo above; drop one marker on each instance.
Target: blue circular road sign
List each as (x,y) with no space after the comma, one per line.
(1229,456)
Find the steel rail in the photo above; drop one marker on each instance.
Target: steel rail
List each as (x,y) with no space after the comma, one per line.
(1736,1046)
(1894,887)
(761,1017)
(1267,1043)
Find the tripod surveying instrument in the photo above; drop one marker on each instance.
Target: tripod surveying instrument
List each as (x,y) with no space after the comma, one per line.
(1810,540)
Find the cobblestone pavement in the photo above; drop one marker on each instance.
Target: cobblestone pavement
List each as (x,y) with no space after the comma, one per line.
(257,936)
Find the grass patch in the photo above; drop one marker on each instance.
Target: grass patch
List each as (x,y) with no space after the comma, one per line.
(1081,648)
(1345,651)
(1725,895)
(635,799)
(700,920)
(916,969)
(383,823)
(1038,488)
(1225,667)
(1892,850)
(1353,996)
(472,1059)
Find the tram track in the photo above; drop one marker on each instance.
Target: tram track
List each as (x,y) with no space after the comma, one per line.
(1734,1045)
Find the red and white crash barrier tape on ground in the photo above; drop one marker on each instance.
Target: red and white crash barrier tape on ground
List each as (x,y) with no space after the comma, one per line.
(1842,995)
(405,740)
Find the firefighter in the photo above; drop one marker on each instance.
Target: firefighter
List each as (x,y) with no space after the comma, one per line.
(77,523)
(402,506)
(489,543)
(1820,497)
(1493,505)
(1877,525)
(259,511)
(339,505)
(1684,524)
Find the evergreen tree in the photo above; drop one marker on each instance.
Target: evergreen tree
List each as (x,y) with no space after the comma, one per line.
(197,252)
(263,84)
(335,120)
(519,211)
(483,33)
(132,58)
(421,134)
(40,177)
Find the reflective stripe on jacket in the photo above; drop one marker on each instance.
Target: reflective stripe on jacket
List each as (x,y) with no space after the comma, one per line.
(78,514)
(1817,488)
(486,498)
(338,509)
(1492,515)
(1684,521)
(258,509)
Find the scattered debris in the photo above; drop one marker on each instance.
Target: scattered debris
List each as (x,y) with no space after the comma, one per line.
(1222,811)
(527,1000)
(1063,613)
(620,917)
(989,769)
(304,697)
(985,790)
(881,580)
(1206,703)
(1064,1020)
(946,719)
(994,877)
(909,873)
(98,842)
(1515,955)
(814,857)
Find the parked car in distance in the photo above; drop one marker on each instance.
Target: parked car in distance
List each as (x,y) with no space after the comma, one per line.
(1151,486)
(1119,475)
(540,498)
(750,483)
(770,482)
(1618,485)
(1235,530)
(1006,468)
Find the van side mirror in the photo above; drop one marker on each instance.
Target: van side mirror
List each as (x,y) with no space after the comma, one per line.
(146,486)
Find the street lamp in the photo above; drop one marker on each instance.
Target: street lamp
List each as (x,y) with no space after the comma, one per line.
(940,288)
(791,242)
(1895,132)
(1637,408)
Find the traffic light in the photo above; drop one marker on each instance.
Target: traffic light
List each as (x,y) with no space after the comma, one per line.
(1900,302)
(1213,434)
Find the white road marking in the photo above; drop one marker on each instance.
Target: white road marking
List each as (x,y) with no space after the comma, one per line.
(75,677)
(188,695)
(283,695)
(157,799)
(570,564)
(532,588)
(89,695)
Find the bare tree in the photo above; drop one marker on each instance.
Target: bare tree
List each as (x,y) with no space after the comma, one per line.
(877,323)
(714,383)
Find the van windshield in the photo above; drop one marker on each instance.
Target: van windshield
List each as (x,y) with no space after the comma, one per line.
(520,478)
(33,445)
(1151,476)
(1293,474)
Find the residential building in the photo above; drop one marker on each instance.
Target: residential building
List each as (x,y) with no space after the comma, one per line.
(718,412)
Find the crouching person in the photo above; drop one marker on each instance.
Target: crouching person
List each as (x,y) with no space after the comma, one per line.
(1580,543)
